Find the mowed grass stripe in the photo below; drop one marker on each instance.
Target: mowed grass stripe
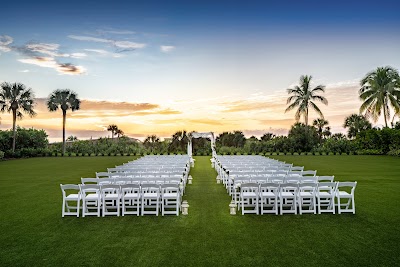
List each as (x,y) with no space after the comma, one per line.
(34,234)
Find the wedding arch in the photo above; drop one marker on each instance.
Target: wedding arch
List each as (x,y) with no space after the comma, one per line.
(192,135)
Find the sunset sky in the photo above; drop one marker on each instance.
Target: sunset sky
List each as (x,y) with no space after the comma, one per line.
(159,67)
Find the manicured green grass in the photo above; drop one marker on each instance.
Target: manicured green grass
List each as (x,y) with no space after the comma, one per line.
(34,234)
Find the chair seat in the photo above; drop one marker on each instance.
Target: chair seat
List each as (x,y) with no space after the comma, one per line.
(92,196)
(132,195)
(111,196)
(324,194)
(305,194)
(249,194)
(267,194)
(170,195)
(344,194)
(287,194)
(72,197)
(150,195)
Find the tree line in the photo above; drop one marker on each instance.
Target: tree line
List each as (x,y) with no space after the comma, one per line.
(379,92)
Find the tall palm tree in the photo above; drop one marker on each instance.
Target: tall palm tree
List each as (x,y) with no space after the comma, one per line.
(303,96)
(379,91)
(356,123)
(63,99)
(113,129)
(15,98)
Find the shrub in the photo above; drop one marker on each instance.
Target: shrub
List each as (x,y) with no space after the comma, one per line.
(393,152)
(1,154)
(370,152)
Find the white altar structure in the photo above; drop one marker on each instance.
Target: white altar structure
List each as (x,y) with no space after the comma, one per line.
(192,135)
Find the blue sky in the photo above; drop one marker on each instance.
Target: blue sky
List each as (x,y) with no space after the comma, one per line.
(194,65)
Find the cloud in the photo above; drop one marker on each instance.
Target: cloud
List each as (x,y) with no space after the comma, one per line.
(5,41)
(78,55)
(43,55)
(109,105)
(120,46)
(167,48)
(24,71)
(49,62)
(250,105)
(104,53)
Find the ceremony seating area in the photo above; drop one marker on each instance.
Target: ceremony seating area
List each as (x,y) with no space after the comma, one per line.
(147,186)
(261,185)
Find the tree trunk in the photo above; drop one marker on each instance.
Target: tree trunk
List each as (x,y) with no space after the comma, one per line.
(64,120)
(384,113)
(306,117)
(14,130)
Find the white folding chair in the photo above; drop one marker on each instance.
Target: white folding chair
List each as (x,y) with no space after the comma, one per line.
(130,198)
(306,198)
(345,190)
(249,198)
(326,197)
(150,199)
(170,199)
(91,200)
(288,197)
(110,195)
(68,197)
(269,197)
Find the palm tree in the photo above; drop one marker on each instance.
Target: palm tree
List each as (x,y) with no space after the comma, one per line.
(320,124)
(113,129)
(152,142)
(72,138)
(63,99)
(303,97)
(379,91)
(119,132)
(15,98)
(356,123)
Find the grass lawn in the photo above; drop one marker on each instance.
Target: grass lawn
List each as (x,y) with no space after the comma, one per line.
(34,234)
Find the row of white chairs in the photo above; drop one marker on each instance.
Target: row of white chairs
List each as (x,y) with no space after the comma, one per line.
(293,198)
(144,199)
(133,180)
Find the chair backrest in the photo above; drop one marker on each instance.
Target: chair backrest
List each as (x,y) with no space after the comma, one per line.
(270,187)
(169,188)
(276,179)
(292,187)
(89,188)
(65,187)
(110,189)
(105,181)
(297,168)
(249,187)
(347,185)
(102,175)
(293,179)
(309,179)
(130,188)
(309,173)
(89,180)
(121,181)
(150,188)
(308,187)
(326,178)
(329,187)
